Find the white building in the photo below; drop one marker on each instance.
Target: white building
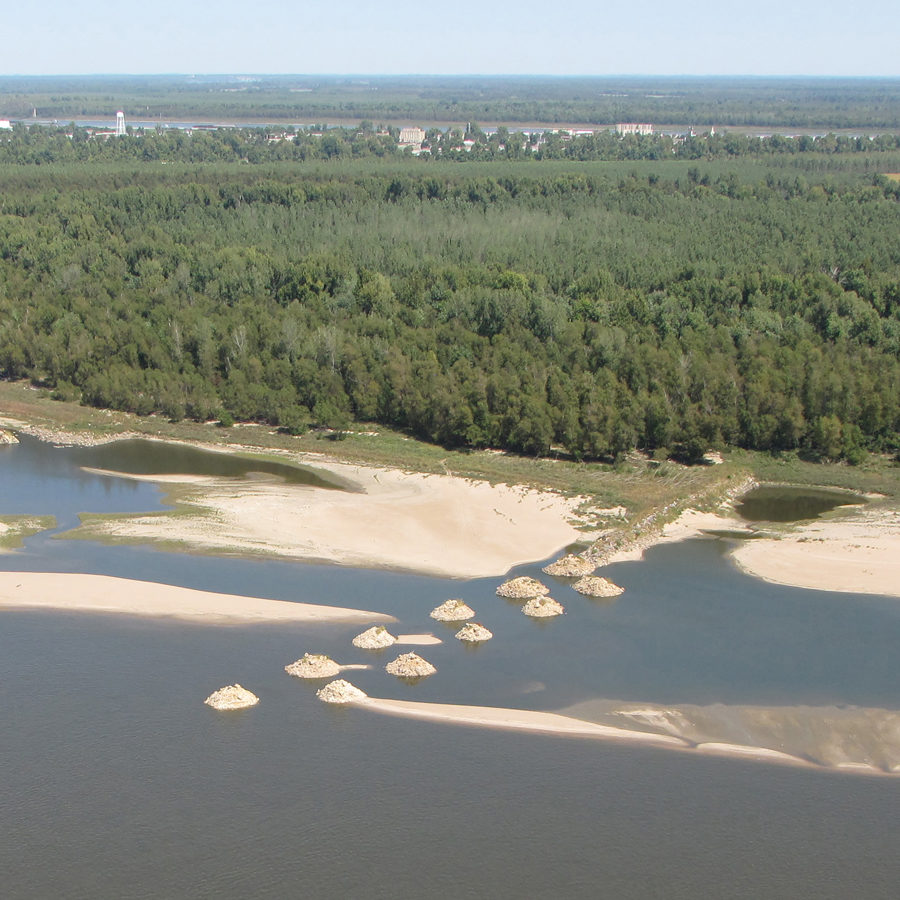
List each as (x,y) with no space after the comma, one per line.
(633,128)
(5,124)
(412,137)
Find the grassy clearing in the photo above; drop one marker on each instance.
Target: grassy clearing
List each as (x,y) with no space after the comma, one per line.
(17,528)
(878,475)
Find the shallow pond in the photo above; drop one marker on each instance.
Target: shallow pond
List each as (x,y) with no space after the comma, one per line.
(141,457)
(792,504)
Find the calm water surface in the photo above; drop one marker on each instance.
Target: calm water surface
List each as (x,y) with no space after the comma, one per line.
(116,782)
(792,504)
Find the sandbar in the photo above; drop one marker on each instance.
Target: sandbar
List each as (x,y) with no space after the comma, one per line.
(434,524)
(832,738)
(513,719)
(854,551)
(106,594)
(721,748)
(858,553)
(689,524)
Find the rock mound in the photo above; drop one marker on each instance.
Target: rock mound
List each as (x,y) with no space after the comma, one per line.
(313,667)
(231,697)
(522,588)
(410,665)
(452,611)
(376,638)
(7,437)
(542,607)
(598,587)
(340,691)
(570,566)
(473,633)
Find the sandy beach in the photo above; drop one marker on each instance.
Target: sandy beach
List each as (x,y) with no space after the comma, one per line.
(514,720)
(857,554)
(853,552)
(104,594)
(435,524)
(838,739)
(689,524)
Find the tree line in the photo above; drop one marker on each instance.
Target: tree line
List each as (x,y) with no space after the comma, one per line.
(578,307)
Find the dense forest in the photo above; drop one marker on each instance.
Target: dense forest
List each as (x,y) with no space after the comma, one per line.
(671,305)
(820,103)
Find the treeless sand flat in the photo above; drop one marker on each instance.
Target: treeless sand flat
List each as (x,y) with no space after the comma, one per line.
(855,553)
(719,748)
(514,719)
(418,640)
(104,594)
(858,554)
(875,726)
(436,524)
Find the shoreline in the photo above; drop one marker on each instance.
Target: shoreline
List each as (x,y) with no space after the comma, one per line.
(440,525)
(562,725)
(845,552)
(856,552)
(68,592)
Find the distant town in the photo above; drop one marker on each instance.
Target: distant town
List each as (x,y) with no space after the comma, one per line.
(409,138)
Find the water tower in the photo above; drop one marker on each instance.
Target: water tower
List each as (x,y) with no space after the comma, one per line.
(120,123)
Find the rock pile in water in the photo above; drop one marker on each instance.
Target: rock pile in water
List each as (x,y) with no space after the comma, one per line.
(340,691)
(452,611)
(570,566)
(473,633)
(231,697)
(542,607)
(376,638)
(598,587)
(313,667)
(7,437)
(522,588)
(410,665)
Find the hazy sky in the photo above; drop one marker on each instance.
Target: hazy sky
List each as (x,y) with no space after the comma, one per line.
(577,37)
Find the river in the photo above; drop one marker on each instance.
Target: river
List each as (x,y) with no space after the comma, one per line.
(116,782)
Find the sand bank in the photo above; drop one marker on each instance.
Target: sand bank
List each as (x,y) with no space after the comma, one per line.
(104,594)
(689,524)
(855,552)
(513,719)
(435,524)
(831,737)
(839,739)
(859,553)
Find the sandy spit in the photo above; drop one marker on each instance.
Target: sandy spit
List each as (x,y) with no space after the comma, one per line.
(689,524)
(832,737)
(514,719)
(721,748)
(855,552)
(104,594)
(435,524)
(858,554)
